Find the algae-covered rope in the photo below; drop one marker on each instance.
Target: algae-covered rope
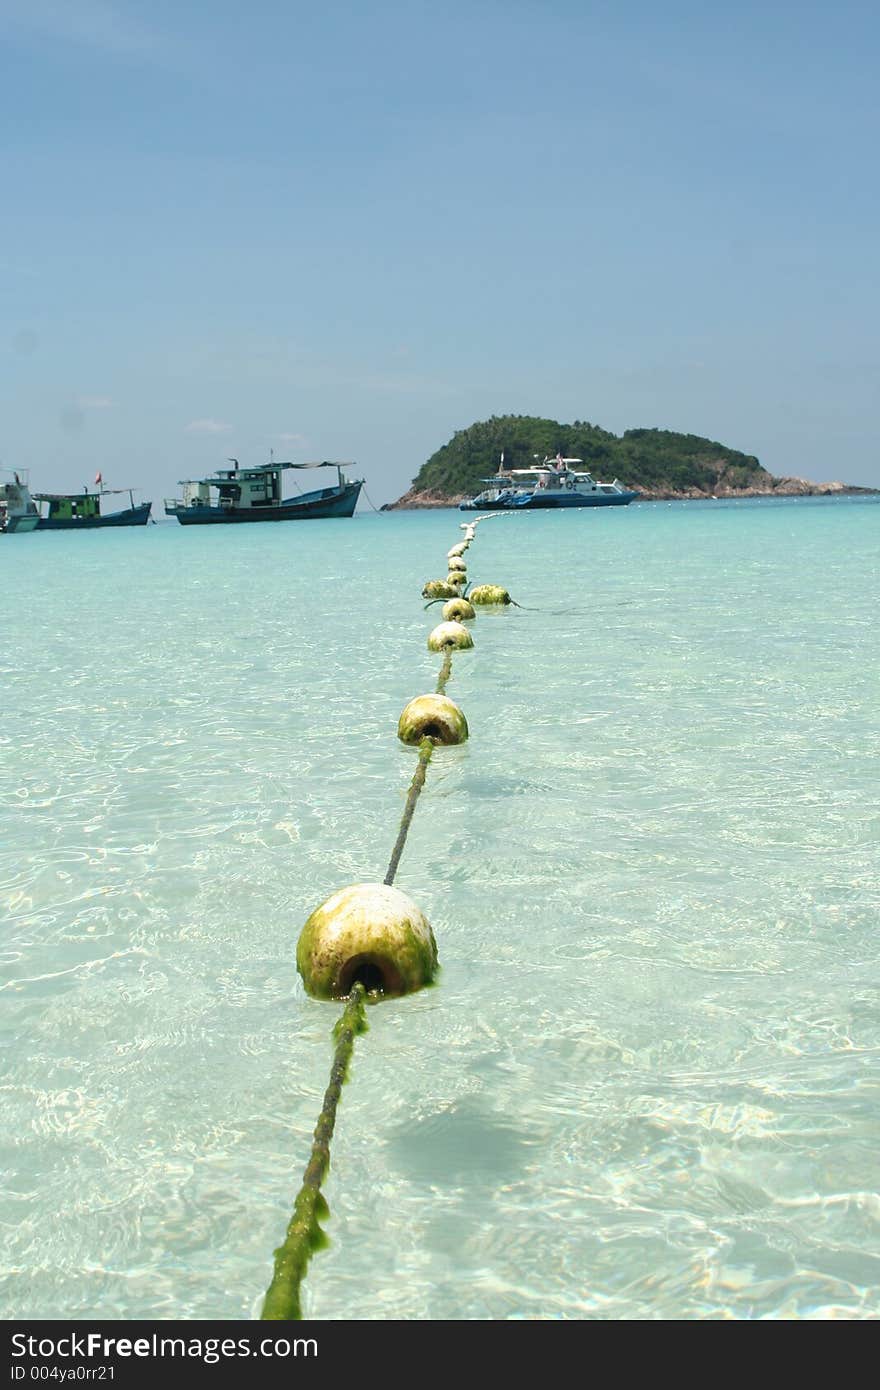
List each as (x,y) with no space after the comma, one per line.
(445,672)
(426,748)
(305,1234)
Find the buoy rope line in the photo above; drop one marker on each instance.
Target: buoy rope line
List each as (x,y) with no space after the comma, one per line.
(445,672)
(369,939)
(426,748)
(305,1234)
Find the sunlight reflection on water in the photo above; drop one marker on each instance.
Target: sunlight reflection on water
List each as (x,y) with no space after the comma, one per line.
(646,1085)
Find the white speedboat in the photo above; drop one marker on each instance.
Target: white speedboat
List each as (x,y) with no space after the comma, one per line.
(555,483)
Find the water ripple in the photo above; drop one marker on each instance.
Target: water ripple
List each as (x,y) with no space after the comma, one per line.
(646,1085)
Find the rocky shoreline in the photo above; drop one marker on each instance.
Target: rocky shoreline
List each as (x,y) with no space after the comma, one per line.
(415,499)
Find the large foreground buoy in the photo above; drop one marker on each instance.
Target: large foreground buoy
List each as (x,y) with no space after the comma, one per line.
(450,634)
(369,933)
(458,610)
(488,593)
(432,716)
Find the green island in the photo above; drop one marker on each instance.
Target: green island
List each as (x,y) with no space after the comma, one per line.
(657,463)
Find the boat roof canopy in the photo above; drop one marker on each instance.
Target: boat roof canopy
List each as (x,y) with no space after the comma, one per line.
(536,468)
(75,496)
(253,470)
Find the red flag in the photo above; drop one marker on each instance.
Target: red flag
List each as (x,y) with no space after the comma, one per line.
(98,479)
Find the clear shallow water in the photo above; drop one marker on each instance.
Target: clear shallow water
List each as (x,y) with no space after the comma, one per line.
(647,1084)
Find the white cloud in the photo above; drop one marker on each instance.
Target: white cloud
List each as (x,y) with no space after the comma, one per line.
(94,402)
(207,427)
(291,438)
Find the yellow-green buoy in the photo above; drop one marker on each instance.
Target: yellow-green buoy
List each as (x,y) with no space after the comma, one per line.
(432,716)
(439,588)
(458,609)
(488,594)
(450,634)
(369,933)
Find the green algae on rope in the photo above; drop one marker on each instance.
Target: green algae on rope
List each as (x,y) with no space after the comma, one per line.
(305,1233)
(426,748)
(445,672)
(443,722)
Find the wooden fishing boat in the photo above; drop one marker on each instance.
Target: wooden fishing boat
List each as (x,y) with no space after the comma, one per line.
(81,511)
(254,494)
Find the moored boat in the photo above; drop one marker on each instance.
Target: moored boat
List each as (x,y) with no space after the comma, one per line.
(17,510)
(555,483)
(254,494)
(81,511)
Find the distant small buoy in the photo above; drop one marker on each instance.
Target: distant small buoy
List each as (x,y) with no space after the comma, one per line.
(457,563)
(458,610)
(369,933)
(439,588)
(489,593)
(456,580)
(450,634)
(432,716)
(457,550)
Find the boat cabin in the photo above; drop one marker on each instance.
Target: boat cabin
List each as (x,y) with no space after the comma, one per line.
(562,474)
(243,489)
(237,487)
(72,506)
(17,510)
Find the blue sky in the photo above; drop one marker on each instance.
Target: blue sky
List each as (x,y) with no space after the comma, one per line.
(346,230)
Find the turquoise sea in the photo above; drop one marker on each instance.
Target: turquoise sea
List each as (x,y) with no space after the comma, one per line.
(646,1084)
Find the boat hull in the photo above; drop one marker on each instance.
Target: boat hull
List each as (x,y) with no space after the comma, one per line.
(132,516)
(538,503)
(19,524)
(314,506)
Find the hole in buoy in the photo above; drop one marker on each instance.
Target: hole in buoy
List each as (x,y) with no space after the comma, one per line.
(377,975)
(432,731)
(368,975)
